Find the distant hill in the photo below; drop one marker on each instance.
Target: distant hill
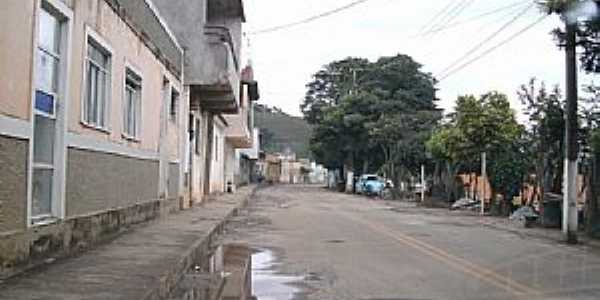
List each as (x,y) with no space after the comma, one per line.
(281,131)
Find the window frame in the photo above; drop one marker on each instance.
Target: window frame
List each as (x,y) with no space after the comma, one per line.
(54,55)
(174,100)
(59,115)
(105,47)
(135,136)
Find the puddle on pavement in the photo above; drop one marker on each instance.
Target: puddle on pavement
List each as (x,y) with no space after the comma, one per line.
(268,284)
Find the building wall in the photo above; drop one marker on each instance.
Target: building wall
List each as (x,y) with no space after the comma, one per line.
(238,123)
(217,174)
(187,18)
(16,58)
(129,173)
(174,181)
(99,181)
(198,160)
(253,152)
(128,50)
(231,164)
(13,183)
(245,170)
(110,181)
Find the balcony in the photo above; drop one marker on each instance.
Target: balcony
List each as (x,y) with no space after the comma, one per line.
(239,132)
(217,88)
(238,135)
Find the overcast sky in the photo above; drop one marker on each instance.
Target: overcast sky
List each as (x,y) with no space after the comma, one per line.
(285,60)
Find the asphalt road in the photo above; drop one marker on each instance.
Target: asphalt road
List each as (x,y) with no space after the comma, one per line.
(350,247)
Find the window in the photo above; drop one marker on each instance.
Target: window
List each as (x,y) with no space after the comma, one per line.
(48,64)
(174,107)
(49,95)
(197,136)
(132,105)
(97,82)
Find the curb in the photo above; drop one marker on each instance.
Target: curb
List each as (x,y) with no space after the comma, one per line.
(197,252)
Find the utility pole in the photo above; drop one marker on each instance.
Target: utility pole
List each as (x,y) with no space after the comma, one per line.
(354,79)
(484,180)
(423,188)
(569,222)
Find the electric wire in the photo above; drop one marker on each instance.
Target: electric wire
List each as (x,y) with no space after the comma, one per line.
(475,18)
(458,12)
(487,39)
(309,19)
(448,14)
(453,15)
(492,49)
(436,16)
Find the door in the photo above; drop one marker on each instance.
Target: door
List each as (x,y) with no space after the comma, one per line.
(47,155)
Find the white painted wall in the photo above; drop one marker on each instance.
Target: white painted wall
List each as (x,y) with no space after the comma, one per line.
(217,174)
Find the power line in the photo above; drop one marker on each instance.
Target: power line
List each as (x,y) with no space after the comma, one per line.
(435,18)
(477,17)
(444,17)
(457,12)
(486,40)
(492,49)
(503,17)
(309,19)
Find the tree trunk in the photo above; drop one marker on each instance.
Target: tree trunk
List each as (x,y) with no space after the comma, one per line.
(539,187)
(558,174)
(450,182)
(437,176)
(593,195)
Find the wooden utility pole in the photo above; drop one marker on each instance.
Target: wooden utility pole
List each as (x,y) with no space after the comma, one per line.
(569,222)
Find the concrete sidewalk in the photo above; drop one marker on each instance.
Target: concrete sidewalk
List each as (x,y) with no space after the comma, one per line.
(144,263)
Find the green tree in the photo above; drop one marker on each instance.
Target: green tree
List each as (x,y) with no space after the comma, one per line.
(401,138)
(545,111)
(357,107)
(484,124)
(590,141)
(334,81)
(444,145)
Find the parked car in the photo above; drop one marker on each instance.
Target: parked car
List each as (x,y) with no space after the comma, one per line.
(370,185)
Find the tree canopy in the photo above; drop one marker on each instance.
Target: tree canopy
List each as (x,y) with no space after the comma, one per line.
(371,116)
(483,124)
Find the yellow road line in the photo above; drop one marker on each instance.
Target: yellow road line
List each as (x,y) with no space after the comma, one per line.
(458,263)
